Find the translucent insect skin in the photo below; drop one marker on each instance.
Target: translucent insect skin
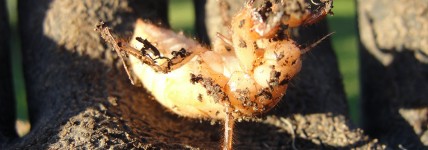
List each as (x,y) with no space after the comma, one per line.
(247,72)
(243,75)
(223,81)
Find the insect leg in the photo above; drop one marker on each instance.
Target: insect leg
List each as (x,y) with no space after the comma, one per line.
(171,63)
(148,46)
(308,48)
(120,46)
(106,35)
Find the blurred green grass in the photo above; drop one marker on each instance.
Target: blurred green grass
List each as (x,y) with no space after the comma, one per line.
(22,123)
(181,17)
(344,24)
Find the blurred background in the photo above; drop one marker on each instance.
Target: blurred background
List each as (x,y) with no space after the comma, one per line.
(181,16)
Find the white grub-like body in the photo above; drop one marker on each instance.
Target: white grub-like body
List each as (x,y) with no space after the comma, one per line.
(221,76)
(174,89)
(244,74)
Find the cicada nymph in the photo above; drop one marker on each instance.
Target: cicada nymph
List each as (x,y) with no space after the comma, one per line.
(244,74)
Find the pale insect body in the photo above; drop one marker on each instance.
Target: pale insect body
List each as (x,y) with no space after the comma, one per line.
(222,78)
(244,75)
(175,90)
